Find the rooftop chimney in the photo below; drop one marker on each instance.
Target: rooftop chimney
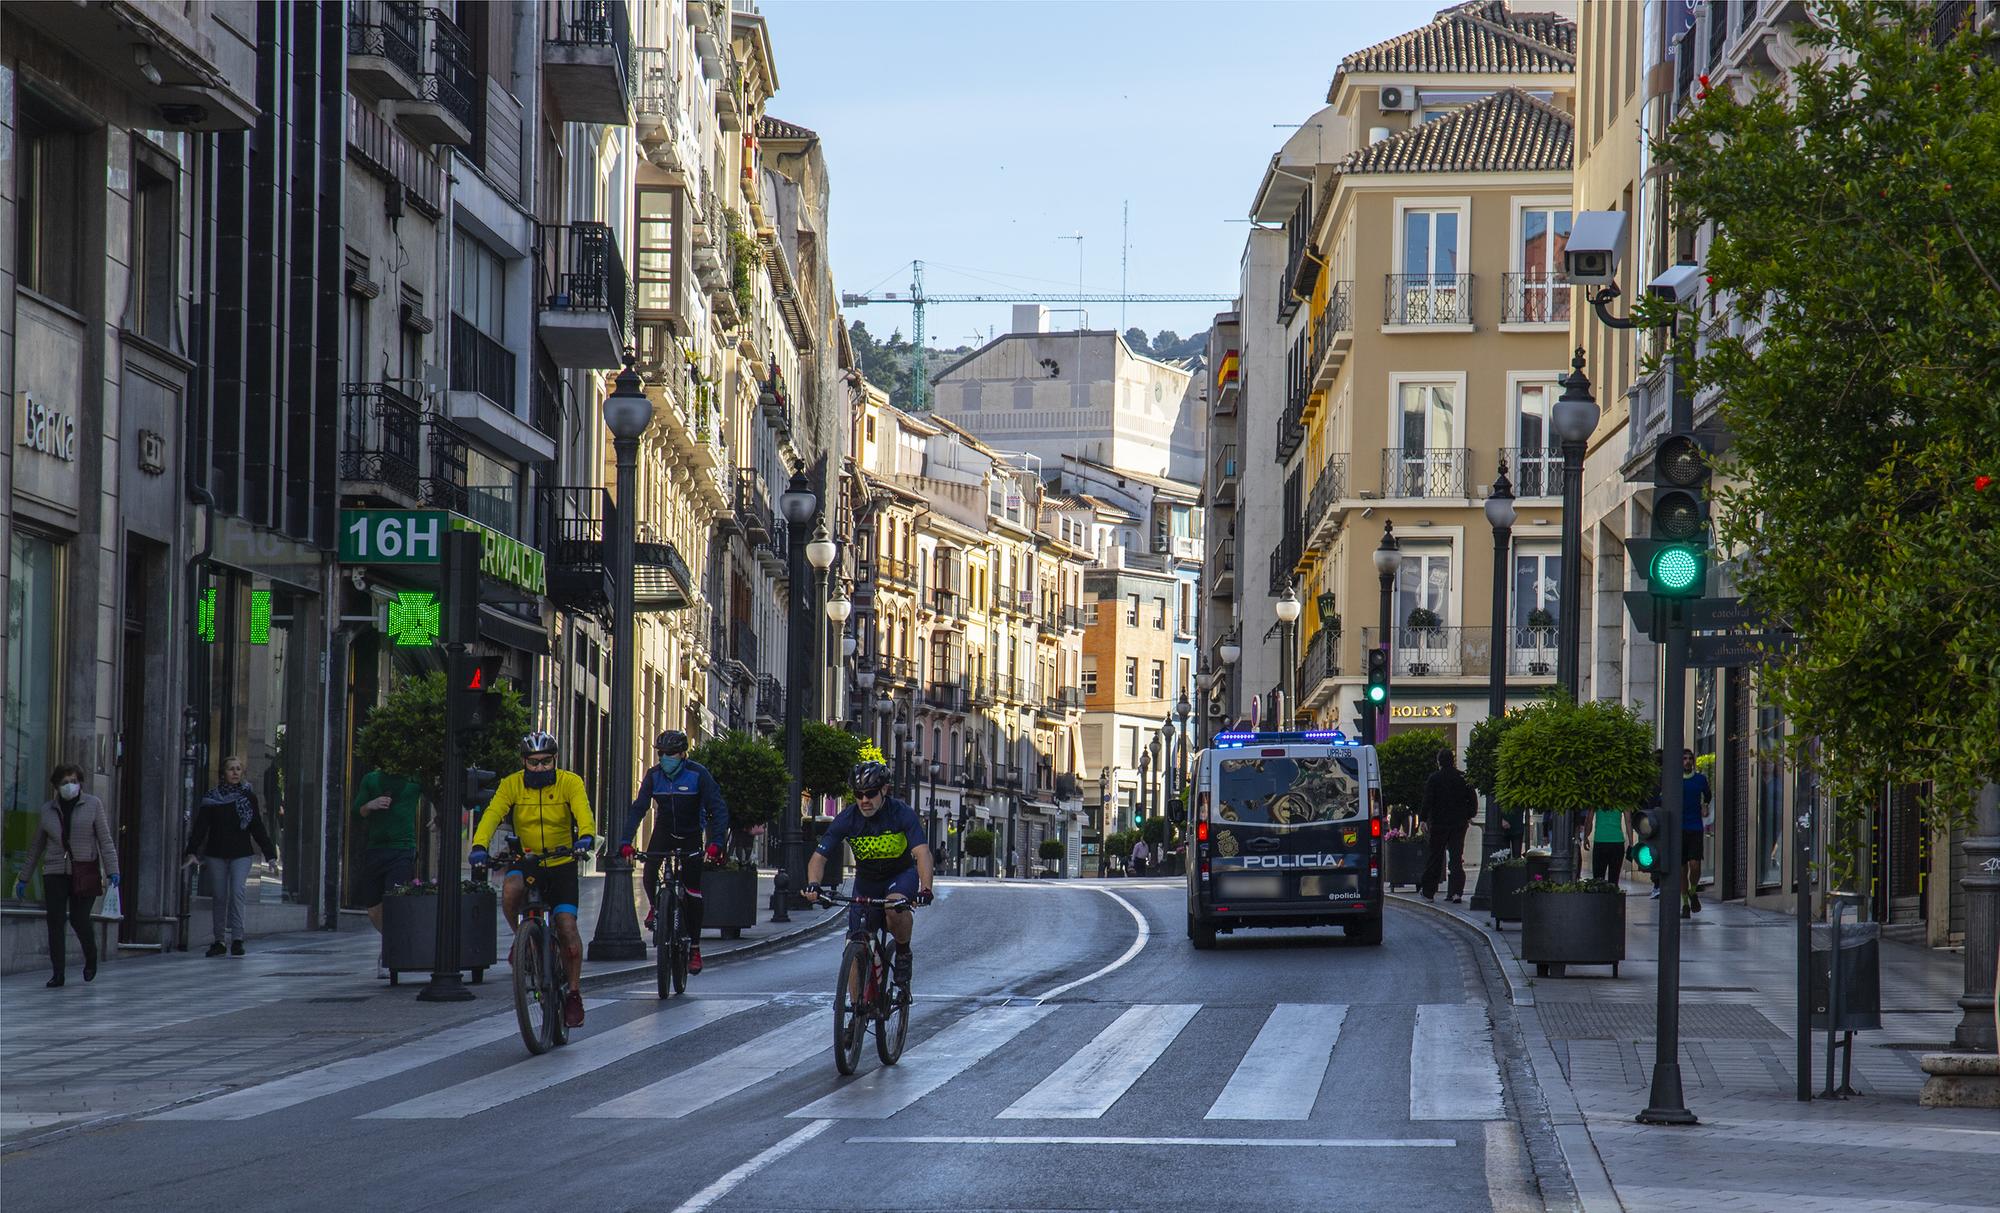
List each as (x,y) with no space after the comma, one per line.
(1031,318)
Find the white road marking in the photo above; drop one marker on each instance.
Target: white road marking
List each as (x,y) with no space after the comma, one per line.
(1138,944)
(335,1077)
(1453,1075)
(724,1186)
(1279,1078)
(574,1060)
(723,1075)
(886,1091)
(1098,1074)
(1325,1143)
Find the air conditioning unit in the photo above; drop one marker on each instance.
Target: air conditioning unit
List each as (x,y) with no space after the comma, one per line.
(1398,97)
(1215,707)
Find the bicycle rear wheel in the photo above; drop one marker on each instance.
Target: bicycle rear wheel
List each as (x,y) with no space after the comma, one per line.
(530,992)
(663,943)
(850,1018)
(893,1027)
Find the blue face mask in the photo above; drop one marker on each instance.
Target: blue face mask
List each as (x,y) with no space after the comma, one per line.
(670,767)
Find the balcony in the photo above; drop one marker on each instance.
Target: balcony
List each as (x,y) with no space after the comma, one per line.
(1947,18)
(1327,490)
(394,158)
(1533,654)
(1285,561)
(1222,478)
(587,59)
(660,578)
(656,113)
(571,523)
(379,448)
(773,552)
(969,775)
(496,507)
(889,568)
(1534,299)
(949,606)
(1222,573)
(1058,701)
(443,110)
(1007,688)
(1178,547)
(1333,335)
(743,649)
(584,296)
(1437,652)
(945,695)
(1291,426)
(1228,383)
(770,702)
(384,58)
(1072,619)
(1535,471)
(979,692)
(1427,300)
(1432,472)
(1318,668)
(1006,777)
(482,395)
(899,670)
(753,506)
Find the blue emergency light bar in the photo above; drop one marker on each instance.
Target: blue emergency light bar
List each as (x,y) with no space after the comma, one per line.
(1239,738)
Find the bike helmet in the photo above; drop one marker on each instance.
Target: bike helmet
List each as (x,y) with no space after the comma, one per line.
(538,742)
(671,743)
(869,777)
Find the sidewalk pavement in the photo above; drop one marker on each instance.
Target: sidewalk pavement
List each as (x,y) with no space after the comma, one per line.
(160,1029)
(1591,1038)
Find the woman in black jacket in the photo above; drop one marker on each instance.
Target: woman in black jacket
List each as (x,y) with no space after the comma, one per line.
(226,825)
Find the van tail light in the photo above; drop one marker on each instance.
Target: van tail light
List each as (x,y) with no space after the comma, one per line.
(1375,827)
(1201,831)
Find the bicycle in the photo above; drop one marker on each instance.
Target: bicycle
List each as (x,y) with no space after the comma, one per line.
(541,976)
(880,998)
(671,941)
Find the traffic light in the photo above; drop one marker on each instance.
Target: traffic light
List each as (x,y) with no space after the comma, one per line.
(1364,722)
(1650,851)
(1138,817)
(478,787)
(1674,558)
(476,692)
(1378,677)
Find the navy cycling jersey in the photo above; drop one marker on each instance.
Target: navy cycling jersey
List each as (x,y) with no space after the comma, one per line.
(882,844)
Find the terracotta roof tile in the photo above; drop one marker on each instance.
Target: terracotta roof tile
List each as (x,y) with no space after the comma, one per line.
(1483,36)
(1506,132)
(777,128)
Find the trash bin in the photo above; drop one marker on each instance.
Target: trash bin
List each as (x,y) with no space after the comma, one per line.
(1860,976)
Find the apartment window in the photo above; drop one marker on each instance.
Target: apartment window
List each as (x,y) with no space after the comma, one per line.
(1089,680)
(1424,580)
(1542,235)
(1538,460)
(1160,613)
(354,340)
(1537,580)
(653,251)
(479,280)
(1430,243)
(1159,680)
(154,265)
(410,340)
(1186,624)
(1090,613)
(1426,433)
(1187,679)
(48,189)
(1132,612)
(1131,675)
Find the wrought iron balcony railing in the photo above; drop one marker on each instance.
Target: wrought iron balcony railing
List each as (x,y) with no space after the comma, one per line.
(1440,652)
(387,29)
(480,363)
(451,82)
(1533,654)
(1417,299)
(1534,299)
(583,271)
(1535,471)
(379,439)
(1424,472)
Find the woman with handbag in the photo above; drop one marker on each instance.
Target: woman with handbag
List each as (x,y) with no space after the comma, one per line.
(227,823)
(75,835)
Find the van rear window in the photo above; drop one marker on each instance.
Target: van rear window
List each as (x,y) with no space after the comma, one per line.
(1287,791)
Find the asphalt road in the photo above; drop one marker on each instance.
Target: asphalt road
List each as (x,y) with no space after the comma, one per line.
(1060,1056)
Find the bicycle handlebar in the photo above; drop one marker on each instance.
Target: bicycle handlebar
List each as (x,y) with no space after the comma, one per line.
(836,897)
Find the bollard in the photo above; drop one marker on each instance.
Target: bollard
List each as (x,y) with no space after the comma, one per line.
(781,896)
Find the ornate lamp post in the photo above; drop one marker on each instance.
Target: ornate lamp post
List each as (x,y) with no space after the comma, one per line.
(1229,652)
(799,505)
(1288,610)
(1500,513)
(1388,560)
(1575,418)
(627,413)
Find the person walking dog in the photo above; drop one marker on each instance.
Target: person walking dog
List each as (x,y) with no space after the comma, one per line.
(227,824)
(74,836)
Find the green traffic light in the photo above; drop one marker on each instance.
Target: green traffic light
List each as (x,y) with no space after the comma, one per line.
(1643,856)
(1676,569)
(1377,693)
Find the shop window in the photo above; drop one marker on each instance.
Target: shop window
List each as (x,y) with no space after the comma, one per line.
(32,737)
(155,267)
(48,192)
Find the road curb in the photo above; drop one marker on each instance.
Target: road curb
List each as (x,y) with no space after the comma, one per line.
(1594,1190)
(605,977)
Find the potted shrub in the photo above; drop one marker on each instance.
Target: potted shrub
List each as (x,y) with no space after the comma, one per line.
(979,845)
(1540,641)
(1404,854)
(1572,758)
(1482,764)
(1510,877)
(404,735)
(1052,851)
(409,928)
(751,774)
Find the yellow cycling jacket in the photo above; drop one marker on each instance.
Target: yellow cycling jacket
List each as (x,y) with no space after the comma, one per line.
(545,819)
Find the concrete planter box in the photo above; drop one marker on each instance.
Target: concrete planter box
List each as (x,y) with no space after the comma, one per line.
(409,934)
(1508,881)
(729,900)
(1561,929)
(1406,859)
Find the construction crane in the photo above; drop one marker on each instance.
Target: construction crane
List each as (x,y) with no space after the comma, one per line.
(917,299)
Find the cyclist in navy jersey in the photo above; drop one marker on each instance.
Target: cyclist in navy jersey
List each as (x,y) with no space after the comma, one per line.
(891,858)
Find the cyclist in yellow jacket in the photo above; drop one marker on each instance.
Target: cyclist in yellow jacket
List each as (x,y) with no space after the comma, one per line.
(551,817)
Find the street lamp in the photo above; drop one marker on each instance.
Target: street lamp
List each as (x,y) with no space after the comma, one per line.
(1500,513)
(930,803)
(627,413)
(799,505)
(1388,560)
(1575,418)
(1288,609)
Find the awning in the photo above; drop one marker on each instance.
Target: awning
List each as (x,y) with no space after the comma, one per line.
(513,631)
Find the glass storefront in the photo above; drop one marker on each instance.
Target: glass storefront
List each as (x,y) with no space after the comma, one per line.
(33,737)
(1770,856)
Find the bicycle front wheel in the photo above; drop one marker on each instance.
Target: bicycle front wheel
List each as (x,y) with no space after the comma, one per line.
(850,1015)
(531,992)
(663,945)
(891,1028)
(682,945)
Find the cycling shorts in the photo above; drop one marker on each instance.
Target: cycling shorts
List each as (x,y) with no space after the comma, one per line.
(862,920)
(558,885)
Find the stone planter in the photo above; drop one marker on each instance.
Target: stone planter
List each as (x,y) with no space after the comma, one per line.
(1406,859)
(1562,929)
(409,934)
(1508,881)
(729,900)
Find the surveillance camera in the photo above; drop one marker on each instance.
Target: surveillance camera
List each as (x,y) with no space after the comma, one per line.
(1678,284)
(1595,240)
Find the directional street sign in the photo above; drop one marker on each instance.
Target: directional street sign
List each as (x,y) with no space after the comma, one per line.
(1732,649)
(1723,614)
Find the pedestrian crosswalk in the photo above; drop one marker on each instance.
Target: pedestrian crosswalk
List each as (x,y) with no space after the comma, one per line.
(1056,1062)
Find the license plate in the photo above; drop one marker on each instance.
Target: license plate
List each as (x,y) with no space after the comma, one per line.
(1240,887)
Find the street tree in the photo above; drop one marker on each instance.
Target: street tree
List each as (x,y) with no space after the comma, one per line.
(830,757)
(404,734)
(1856,256)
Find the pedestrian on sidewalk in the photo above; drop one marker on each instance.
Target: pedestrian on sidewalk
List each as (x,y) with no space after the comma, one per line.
(1607,845)
(387,807)
(228,824)
(1141,855)
(1696,805)
(75,836)
(1449,806)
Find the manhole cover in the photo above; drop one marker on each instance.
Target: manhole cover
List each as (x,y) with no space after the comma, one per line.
(1604,1021)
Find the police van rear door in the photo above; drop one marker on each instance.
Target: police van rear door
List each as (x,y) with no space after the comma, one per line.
(1292,823)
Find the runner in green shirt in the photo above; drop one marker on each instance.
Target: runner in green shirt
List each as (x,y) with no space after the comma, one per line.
(387,807)
(1607,844)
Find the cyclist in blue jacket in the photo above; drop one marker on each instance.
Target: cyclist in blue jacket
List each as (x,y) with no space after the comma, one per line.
(689,805)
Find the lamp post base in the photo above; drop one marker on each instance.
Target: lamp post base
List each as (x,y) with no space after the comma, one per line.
(617,936)
(449,988)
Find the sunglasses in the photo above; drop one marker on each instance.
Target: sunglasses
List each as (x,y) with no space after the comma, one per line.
(538,764)
(874,795)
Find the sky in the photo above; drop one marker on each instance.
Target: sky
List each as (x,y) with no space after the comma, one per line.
(975,136)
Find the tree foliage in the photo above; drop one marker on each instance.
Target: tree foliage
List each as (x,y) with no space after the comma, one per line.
(1482,751)
(830,757)
(1857,208)
(404,735)
(751,773)
(1407,761)
(979,844)
(1562,756)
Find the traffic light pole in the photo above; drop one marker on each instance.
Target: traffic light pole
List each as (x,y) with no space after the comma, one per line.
(1668,1106)
(462,551)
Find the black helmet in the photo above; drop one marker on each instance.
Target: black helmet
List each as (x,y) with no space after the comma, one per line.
(538,742)
(869,777)
(671,743)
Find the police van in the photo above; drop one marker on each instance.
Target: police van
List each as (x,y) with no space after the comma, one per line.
(1287,833)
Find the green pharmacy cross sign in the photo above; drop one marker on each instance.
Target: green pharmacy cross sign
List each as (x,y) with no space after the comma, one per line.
(416,618)
(417,537)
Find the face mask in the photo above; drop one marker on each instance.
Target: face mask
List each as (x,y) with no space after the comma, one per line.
(670,766)
(70,790)
(538,779)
